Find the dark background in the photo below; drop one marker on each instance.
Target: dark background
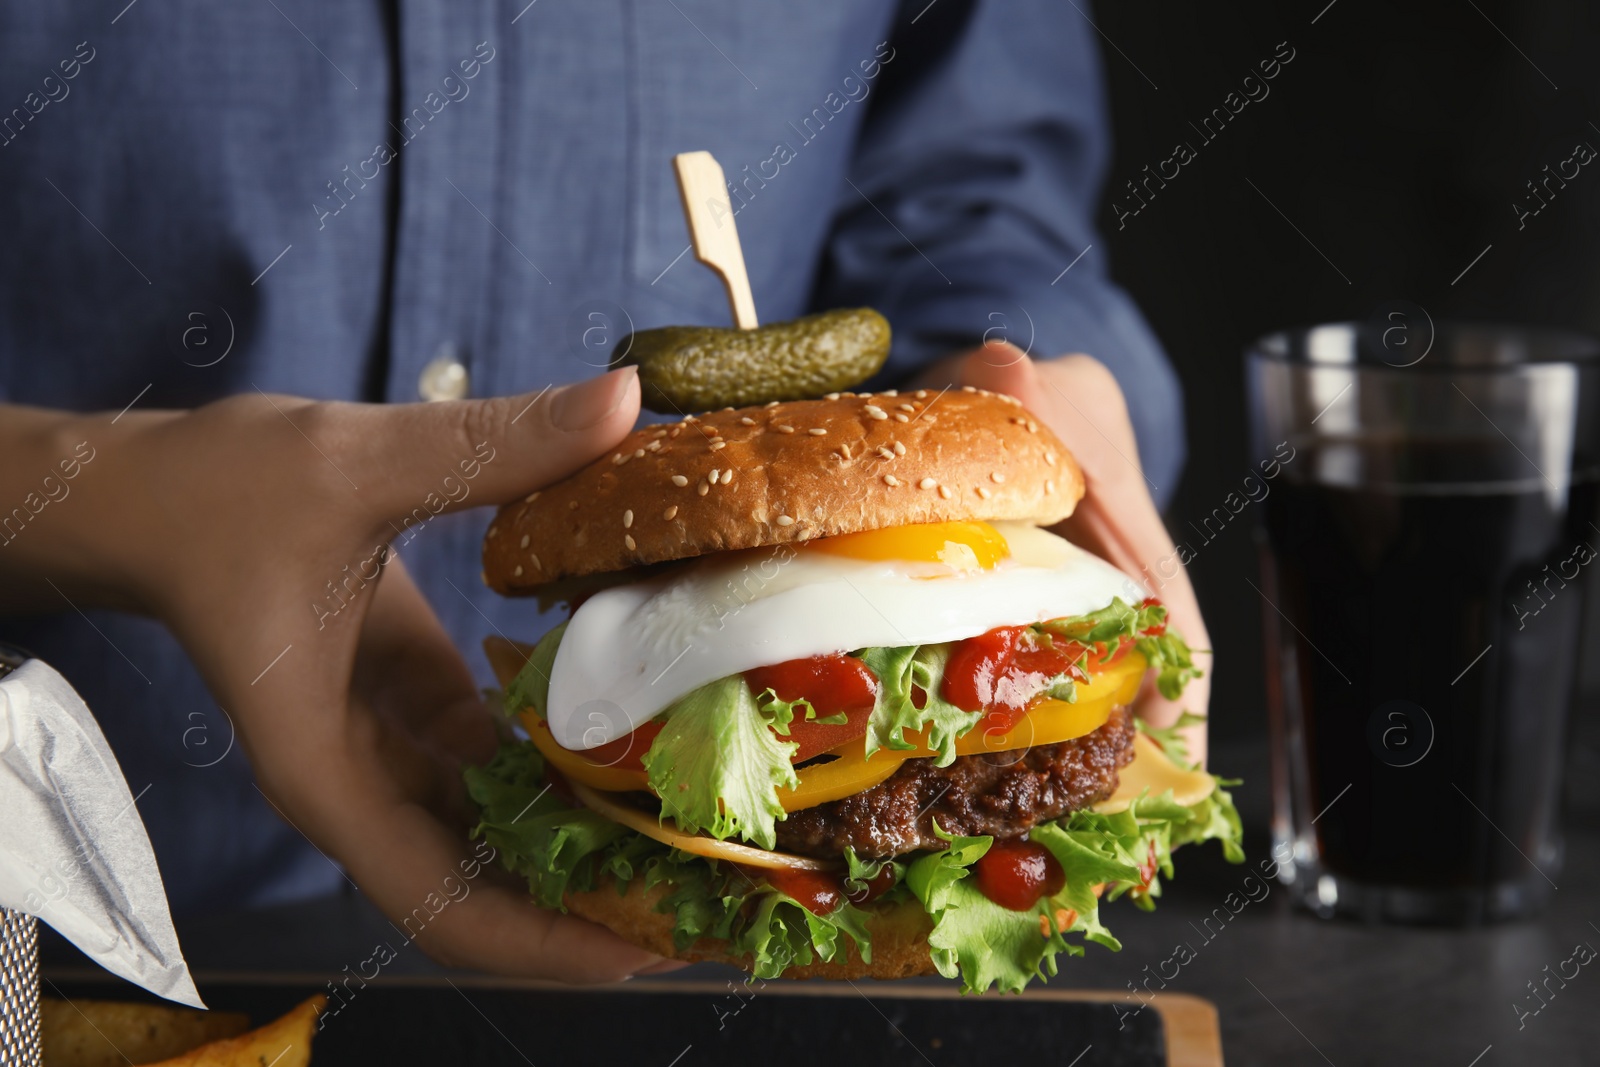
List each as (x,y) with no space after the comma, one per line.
(1396,140)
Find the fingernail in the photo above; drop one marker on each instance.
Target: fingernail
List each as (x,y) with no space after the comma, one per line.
(580,406)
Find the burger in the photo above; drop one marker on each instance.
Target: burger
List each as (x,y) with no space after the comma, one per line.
(832,702)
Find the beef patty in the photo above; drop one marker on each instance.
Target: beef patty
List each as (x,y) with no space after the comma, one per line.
(1001,794)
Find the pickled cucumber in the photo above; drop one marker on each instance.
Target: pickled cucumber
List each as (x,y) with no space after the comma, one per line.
(698,368)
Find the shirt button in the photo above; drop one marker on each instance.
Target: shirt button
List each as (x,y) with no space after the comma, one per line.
(444,378)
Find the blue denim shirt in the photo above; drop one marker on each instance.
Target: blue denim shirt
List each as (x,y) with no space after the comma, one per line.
(322,198)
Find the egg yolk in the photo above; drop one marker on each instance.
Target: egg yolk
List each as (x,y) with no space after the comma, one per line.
(961,545)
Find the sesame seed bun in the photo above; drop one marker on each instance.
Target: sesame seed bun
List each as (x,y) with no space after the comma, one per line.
(749,477)
(898,931)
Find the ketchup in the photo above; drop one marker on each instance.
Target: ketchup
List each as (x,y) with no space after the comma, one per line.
(875,887)
(1016,874)
(1003,670)
(817,891)
(832,685)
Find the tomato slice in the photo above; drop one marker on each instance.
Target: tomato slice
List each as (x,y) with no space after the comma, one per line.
(626,753)
(833,685)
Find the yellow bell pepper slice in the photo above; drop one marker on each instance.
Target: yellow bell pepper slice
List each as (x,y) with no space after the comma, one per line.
(1047,722)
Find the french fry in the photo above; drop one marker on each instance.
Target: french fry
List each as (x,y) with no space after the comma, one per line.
(101,1033)
(284,1042)
(105,1033)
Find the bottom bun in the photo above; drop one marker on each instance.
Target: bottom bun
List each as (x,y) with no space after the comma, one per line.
(899,935)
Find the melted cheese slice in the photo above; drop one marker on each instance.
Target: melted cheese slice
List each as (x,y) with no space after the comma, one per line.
(668,834)
(1152,770)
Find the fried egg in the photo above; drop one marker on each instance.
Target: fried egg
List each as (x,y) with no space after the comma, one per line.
(632,650)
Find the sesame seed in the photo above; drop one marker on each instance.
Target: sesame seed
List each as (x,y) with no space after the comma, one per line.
(771,404)
(899,449)
(889,479)
(944,491)
(671,513)
(927,483)
(653,446)
(659,434)
(637,453)
(525,540)
(844,450)
(876,412)
(531,497)
(702,489)
(785,520)
(1049,486)
(690,418)
(983,491)
(921,394)
(817,431)
(889,392)
(883,450)
(675,431)
(493,530)
(518,572)
(831,396)
(727,476)
(627,539)
(781,428)
(718,445)
(898,417)
(746,420)
(968,389)
(712,477)
(997,477)
(908,407)
(619,459)
(534,556)
(985,392)
(627,520)
(1033,427)
(1050,458)
(679,480)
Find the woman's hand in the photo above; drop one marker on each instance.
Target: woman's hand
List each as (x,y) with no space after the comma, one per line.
(258,528)
(1078,398)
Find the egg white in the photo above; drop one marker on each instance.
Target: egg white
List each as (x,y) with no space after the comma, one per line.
(632,650)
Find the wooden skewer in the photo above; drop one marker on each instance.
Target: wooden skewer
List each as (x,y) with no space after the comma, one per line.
(706,208)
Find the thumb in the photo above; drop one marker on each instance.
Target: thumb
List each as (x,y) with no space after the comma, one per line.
(1001,367)
(452,455)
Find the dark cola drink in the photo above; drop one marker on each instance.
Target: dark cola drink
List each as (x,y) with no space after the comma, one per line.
(1424,561)
(1433,645)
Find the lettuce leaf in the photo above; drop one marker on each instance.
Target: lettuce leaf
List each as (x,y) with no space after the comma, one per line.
(531,686)
(987,945)
(1120,621)
(560,849)
(898,670)
(717,766)
(1171,739)
(1169,657)
(535,834)
(783,712)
